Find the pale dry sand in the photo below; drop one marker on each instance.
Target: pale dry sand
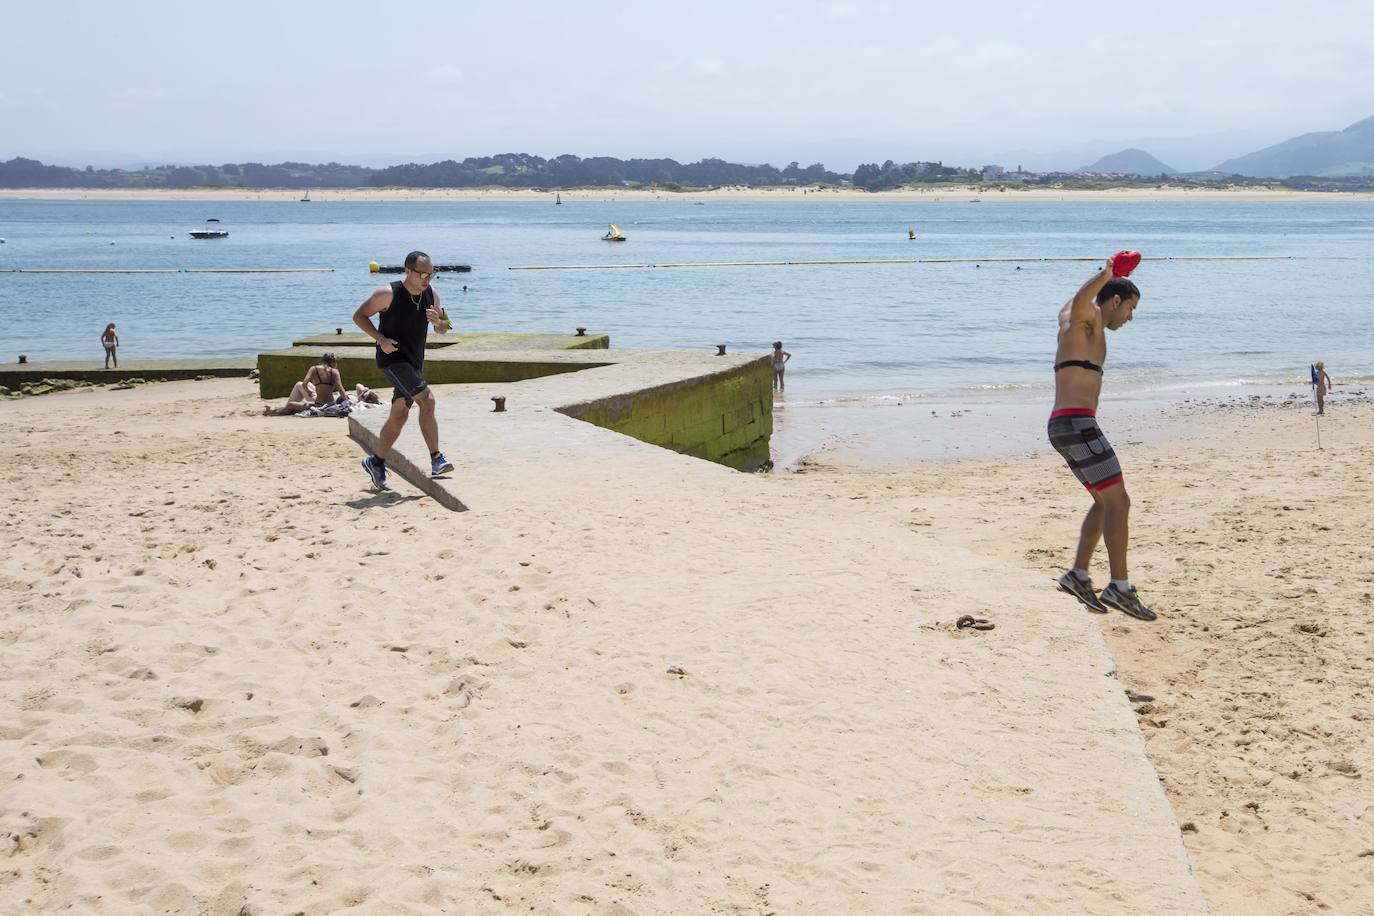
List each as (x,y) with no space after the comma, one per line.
(740,193)
(1256,687)
(237,682)
(233,678)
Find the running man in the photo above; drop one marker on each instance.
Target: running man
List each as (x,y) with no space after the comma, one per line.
(1106,302)
(408,309)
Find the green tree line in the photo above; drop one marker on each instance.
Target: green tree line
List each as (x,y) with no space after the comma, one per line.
(508,170)
(521,170)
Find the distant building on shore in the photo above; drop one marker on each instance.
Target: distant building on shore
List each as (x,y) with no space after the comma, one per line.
(998,173)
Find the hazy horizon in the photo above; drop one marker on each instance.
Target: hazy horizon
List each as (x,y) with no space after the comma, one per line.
(838,83)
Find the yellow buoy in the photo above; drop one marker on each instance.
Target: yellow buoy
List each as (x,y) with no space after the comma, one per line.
(373,267)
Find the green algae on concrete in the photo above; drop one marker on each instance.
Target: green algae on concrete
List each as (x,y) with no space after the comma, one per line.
(471,341)
(725,417)
(279,371)
(151,369)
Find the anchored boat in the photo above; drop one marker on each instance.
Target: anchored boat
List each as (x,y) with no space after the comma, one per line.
(212,230)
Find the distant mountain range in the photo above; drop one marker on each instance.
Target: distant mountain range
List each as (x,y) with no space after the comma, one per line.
(1129,162)
(1323,154)
(1326,154)
(1316,159)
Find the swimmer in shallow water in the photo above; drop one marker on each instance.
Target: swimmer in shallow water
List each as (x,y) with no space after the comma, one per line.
(780,358)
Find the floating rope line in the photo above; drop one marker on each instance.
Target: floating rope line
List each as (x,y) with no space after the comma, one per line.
(1238,257)
(92,270)
(167,270)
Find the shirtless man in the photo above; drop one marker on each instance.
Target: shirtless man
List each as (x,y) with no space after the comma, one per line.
(1106,302)
(406,310)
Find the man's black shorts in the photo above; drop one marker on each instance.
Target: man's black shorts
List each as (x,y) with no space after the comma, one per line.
(407,381)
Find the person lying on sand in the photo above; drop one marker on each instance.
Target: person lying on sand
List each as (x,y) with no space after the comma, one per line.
(321,386)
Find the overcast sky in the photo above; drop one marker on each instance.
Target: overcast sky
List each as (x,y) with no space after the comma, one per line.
(967,83)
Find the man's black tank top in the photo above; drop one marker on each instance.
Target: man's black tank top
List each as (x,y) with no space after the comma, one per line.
(404,322)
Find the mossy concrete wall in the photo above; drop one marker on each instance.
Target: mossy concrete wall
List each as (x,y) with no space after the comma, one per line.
(16,374)
(725,417)
(279,371)
(490,340)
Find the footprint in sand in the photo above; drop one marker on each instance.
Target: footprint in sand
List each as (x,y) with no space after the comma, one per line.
(302,747)
(68,765)
(29,834)
(99,853)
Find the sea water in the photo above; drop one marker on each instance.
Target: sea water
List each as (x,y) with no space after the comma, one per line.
(856,331)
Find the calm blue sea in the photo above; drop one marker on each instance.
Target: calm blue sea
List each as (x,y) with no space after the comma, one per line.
(854,330)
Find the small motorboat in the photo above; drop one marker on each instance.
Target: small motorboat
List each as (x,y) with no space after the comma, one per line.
(212,230)
(613,234)
(376,268)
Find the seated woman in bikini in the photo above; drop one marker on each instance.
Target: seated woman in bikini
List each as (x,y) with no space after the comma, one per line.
(322,385)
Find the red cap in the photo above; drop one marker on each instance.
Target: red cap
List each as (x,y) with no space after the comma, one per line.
(1123,262)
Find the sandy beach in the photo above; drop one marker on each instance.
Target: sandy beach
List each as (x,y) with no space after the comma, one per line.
(953,193)
(239,682)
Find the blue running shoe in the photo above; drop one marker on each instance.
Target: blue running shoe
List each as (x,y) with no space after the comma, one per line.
(376,471)
(439,465)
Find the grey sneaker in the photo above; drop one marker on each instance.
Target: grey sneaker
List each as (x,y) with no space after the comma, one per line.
(1127,602)
(376,471)
(1083,590)
(439,465)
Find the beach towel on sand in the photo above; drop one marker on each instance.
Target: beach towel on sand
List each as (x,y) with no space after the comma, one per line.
(337,409)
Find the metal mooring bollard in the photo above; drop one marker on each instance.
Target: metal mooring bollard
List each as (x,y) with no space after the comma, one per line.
(500,404)
(23,358)
(581,332)
(338,330)
(720,349)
